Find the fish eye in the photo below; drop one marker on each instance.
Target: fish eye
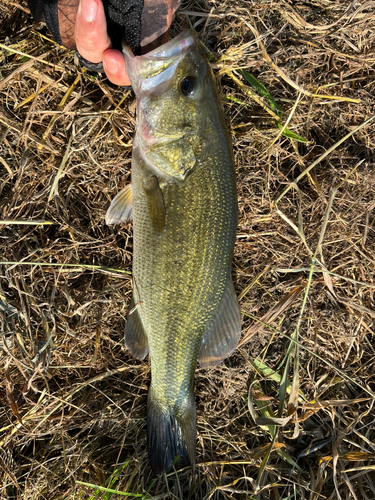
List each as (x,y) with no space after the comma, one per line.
(189,86)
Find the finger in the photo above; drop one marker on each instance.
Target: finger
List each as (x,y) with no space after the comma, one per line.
(91,30)
(114,67)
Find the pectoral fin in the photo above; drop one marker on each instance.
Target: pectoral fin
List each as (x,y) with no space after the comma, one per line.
(135,333)
(155,202)
(223,334)
(120,210)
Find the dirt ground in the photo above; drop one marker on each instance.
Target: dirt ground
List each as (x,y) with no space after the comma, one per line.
(290,414)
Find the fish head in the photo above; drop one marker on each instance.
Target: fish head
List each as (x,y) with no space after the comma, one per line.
(176,105)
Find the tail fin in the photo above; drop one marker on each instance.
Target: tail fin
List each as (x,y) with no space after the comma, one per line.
(170,432)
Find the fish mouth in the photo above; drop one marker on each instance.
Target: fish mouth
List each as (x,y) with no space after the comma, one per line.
(148,141)
(156,68)
(180,44)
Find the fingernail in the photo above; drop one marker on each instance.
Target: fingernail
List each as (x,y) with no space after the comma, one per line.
(89,10)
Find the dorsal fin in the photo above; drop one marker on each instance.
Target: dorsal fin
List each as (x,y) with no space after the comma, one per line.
(222,336)
(120,210)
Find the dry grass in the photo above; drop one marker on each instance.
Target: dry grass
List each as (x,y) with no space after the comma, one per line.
(74,401)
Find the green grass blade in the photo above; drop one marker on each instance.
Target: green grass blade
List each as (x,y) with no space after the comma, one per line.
(263,465)
(291,135)
(109,490)
(283,386)
(264,408)
(261,90)
(268,372)
(289,459)
(109,483)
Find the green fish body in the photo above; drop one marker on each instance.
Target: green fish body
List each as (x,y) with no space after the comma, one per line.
(183,204)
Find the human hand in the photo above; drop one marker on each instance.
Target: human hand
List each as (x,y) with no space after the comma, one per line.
(94,44)
(82,24)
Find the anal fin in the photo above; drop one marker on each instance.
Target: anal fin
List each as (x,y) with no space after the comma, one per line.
(135,333)
(120,210)
(222,336)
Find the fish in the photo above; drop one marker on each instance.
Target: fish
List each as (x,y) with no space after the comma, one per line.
(183,204)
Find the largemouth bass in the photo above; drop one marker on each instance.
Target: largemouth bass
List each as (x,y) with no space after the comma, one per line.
(182,200)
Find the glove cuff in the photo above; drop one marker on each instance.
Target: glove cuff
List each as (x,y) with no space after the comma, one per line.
(89,65)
